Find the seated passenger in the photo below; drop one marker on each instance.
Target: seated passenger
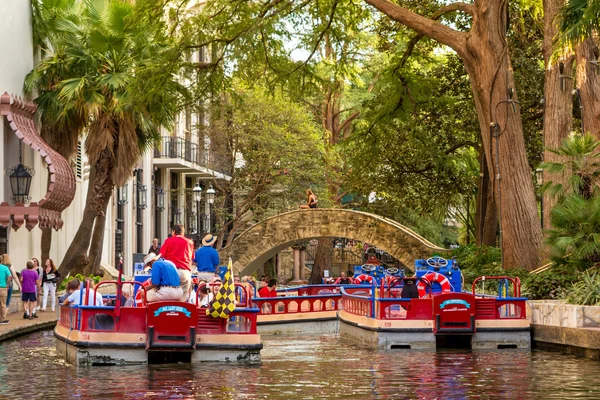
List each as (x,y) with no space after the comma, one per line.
(270,290)
(128,294)
(165,285)
(344,280)
(410,290)
(79,295)
(215,286)
(71,286)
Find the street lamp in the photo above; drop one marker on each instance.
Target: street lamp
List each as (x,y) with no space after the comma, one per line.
(122,195)
(160,198)
(210,197)
(142,199)
(539,177)
(197,197)
(20,180)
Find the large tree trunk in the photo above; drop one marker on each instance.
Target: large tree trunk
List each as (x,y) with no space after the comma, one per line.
(588,84)
(96,245)
(322,261)
(558,103)
(99,192)
(486,216)
(484,52)
(46,243)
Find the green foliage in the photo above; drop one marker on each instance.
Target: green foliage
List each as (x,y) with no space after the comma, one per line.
(550,284)
(586,290)
(579,20)
(81,278)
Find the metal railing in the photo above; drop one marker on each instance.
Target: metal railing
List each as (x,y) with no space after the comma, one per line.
(176,147)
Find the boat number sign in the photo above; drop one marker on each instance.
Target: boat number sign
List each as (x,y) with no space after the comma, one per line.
(455,301)
(172,310)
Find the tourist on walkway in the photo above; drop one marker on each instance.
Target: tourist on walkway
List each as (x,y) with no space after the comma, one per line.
(270,290)
(311,200)
(38,292)
(179,250)
(207,258)
(78,296)
(30,287)
(154,247)
(49,280)
(5,282)
(165,284)
(15,278)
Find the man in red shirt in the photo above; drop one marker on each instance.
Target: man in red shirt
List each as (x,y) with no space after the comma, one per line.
(270,290)
(179,250)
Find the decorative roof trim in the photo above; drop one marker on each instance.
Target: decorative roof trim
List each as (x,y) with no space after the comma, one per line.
(61,187)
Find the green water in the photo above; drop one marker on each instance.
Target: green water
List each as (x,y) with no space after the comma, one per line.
(305,368)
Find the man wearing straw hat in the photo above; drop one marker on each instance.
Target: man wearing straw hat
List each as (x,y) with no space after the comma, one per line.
(165,284)
(207,258)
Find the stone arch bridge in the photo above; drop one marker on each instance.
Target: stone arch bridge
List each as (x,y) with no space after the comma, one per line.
(253,247)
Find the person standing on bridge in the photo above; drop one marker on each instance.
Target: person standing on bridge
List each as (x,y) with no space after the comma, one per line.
(311,200)
(207,258)
(179,250)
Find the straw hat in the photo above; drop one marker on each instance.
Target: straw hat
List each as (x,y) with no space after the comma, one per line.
(208,240)
(151,257)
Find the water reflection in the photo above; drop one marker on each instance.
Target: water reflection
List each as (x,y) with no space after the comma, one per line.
(315,368)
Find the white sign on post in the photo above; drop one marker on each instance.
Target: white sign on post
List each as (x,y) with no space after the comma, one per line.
(326,273)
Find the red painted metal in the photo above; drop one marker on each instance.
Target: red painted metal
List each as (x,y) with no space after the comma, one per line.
(401,309)
(515,281)
(454,312)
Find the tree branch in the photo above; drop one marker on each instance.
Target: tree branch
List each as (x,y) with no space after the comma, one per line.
(427,26)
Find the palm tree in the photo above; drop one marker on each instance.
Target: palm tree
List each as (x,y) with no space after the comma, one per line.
(101,74)
(581,167)
(579,20)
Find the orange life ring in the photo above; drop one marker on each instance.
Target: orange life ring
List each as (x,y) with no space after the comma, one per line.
(433,277)
(364,278)
(139,299)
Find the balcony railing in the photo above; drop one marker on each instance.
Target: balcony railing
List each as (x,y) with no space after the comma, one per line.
(176,147)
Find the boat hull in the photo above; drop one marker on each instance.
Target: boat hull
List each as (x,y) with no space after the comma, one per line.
(419,334)
(108,348)
(310,323)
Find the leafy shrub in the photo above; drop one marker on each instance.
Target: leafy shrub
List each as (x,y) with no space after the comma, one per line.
(63,284)
(586,291)
(550,284)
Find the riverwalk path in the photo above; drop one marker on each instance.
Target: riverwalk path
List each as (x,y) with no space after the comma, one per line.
(19,326)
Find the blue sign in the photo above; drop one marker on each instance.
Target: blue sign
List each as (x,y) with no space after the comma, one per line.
(455,301)
(168,309)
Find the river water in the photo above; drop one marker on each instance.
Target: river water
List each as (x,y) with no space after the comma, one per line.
(305,368)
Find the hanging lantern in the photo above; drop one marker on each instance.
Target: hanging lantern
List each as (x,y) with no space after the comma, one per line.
(20,180)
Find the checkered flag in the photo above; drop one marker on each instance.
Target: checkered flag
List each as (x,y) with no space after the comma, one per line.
(224,302)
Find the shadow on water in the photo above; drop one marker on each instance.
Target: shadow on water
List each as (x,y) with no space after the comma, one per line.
(311,368)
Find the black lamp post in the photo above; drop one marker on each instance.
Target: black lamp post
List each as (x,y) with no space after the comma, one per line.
(160,198)
(123,195)
(539,177)
(20,180)
(210,197)
(142,196)
(197,197)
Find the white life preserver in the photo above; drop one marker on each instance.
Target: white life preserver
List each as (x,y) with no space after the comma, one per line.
(433,277)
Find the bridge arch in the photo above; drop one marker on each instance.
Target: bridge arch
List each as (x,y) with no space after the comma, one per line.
(253,247)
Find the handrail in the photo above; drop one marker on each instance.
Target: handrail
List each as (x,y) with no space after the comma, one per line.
(516,283)
(122,283)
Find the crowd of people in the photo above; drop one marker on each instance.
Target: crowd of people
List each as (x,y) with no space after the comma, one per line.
(170,266)
(36,284)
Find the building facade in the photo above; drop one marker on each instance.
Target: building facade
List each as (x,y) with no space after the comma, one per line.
(159,194)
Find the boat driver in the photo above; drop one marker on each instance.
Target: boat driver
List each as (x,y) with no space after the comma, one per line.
(410,290)
(344,280)
(165,284)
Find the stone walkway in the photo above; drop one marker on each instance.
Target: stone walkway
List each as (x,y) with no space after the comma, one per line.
(19,326)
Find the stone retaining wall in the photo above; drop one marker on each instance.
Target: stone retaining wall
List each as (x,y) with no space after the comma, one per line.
(569,328)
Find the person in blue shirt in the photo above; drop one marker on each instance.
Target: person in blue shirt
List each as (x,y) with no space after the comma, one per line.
(207,258)
(165,285)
